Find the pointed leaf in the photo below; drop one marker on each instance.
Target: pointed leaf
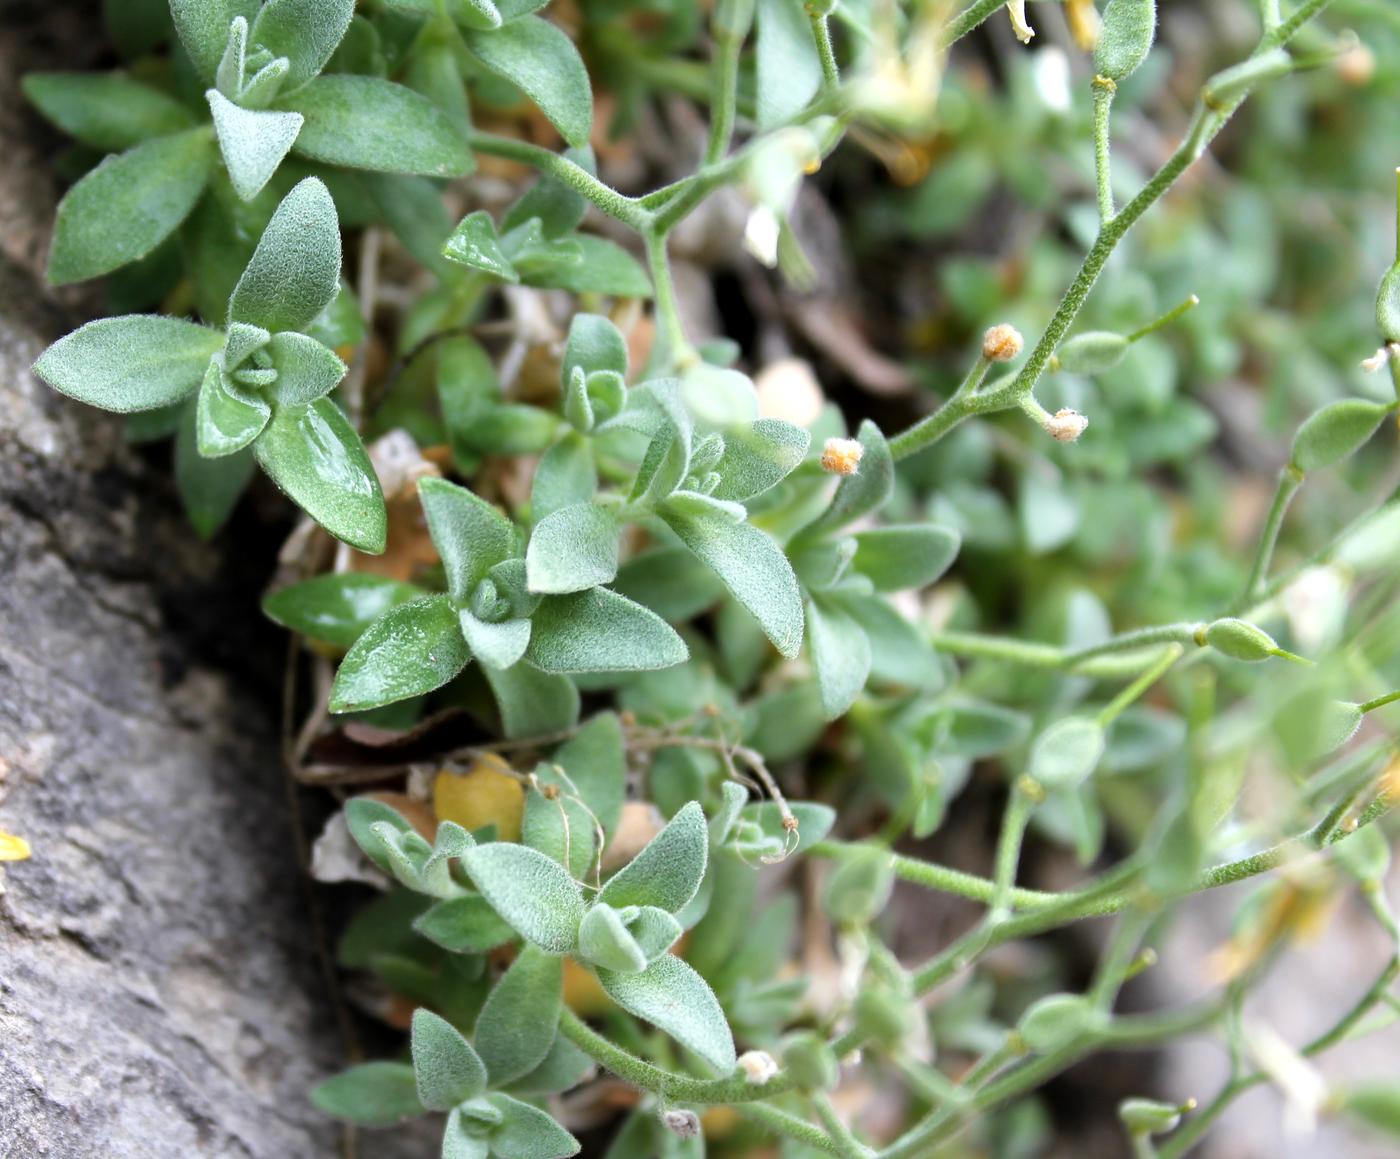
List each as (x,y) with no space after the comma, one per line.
(594,344)
(759,457)
(601,631)
(137,362)
(899,558)
(532,892)
(124,208)
(533,703)
(108,111)
(475,244)
(526,1132)
(306,370)
(374,1094)
(464,925)
(563,1068)
(840,656)
(603,267)
(314,455)
(202,26)
(605,942)
(209,488)
(540,60)
(227,419)
(336,608)
(865,491)
(669,870)
(295,270)
(562,828)
(448,1071)
(469,533)
(573,549)
(306,32)
(410,650)
(495,645)
(788,70)
(517,1026)
(673,997)
(253,141)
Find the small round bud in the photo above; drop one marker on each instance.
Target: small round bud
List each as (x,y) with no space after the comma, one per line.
(842,456)
(758,1065)
(1356,66)
(682,1124)
(1058,1020)
(810,1062)
(1240,640)
(1065,426)
(1002,343)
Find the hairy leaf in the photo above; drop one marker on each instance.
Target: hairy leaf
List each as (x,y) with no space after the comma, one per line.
(411,649)
(470,534)
(337,607)
(668,871)
(673,997)
(253,141)
(540,60)
(517,1026)
(601,631)
(532,892)
(306,32)
(573,549)
(447,1069)
(109,111)
(373,1094)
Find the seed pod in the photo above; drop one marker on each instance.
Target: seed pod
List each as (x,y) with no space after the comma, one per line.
(1148,1116)
(1058,1020)
(1388,305)
(1092,352)
(1240,640)
(1233,83)
(1126,37)
(810,1062)
(1335,432)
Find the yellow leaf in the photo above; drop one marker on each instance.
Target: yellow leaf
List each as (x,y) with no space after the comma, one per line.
(488,793)
(13,848)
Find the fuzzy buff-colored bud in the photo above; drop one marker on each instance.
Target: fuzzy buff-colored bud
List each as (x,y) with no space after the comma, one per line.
(758,1065)
(1065,426)
(1002,343)
(841,456)
(682,1124)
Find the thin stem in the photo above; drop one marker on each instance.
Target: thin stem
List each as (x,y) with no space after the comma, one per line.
(1289,480)
(821,32)
(1380,702)
(1024,795)
(668,313)
(847,1145)
(729,27)
(1110,711)
(1103,165)
(782,1123)
(1166,319)
(1183,633)
(969,19)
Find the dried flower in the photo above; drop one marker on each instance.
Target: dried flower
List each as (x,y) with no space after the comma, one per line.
(1002,343)
(1065,425)
(1016,9)
(758,1065)
(682,1124)
(841,456)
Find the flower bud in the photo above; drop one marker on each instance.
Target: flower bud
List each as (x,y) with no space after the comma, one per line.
(1065,426)
(1092,352)
(1058,1020)
(842,456)
(1002,343)
(1240,640)
(810,1062)
(683,1124)
(758,1065)
(1126,37)
(1335,432)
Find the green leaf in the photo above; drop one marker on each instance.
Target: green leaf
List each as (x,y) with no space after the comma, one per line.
(367,123)
(814,821)
(670,581)
(295,270)
(411,649)
(532,892)
(558,206)
(1067,752)
(975,729)
(601,631)
(752,566)
(336,608)
(134,363)
(476,245)
(252,141)
(1125,38)
(227,419)
(1377,1104)
(561,827)
(910,556)
(526,1132)
(540,60)
(566,475)
(517,1026)
(899,653)
(464,925)
(496,645)
(594,344)
(759,457)
(124,208)
(604,267)
(469,533)
(859,494)
(306,370)
(202,26)
(595,761)
(573,549)
(108,111)
(674,998)
(604,941)
(306,32)
(533,703)
(314,455)
(788,70)
(563,1068)
(840,655)
(668,871)
(446,1068)
(209,488)
(374,1094)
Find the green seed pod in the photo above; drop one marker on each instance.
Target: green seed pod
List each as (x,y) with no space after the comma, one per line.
(1057,1020)
(1234,83)
(1388,305)
(1335,432)
(1148,1116)
(811,1062)
(1126,37)
(1066,752)
(883,1017)
(1240,640)
(1092,352)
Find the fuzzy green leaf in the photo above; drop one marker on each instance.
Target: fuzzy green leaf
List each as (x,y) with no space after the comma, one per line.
(532,892)
(752,566)
(1067,752)
(306,369)
(1125,38)
(374,1094)
(563,1068)
(674,998)
(128,205)
(295,270)
(108,111)
(227,419)
(252,141)
(447,1070)
(595,761)
(203,25)
(859,494)
(470,534)
(789,72)
(209,488)
(496,645)
(540,60)
(364,122)
(314,455)
(759,457)
(911,556)
(562,828)
(533,703)
(594,344)
(527,1132)
(306,32)
(604,940)
(840,655)
(1337,431)
(603,267)
(336,608)
(668,871)
(600,631)
(464,925)
(567,474)
(573,549)
(476,245)
(517,1026)
(137,362)
(411,649)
